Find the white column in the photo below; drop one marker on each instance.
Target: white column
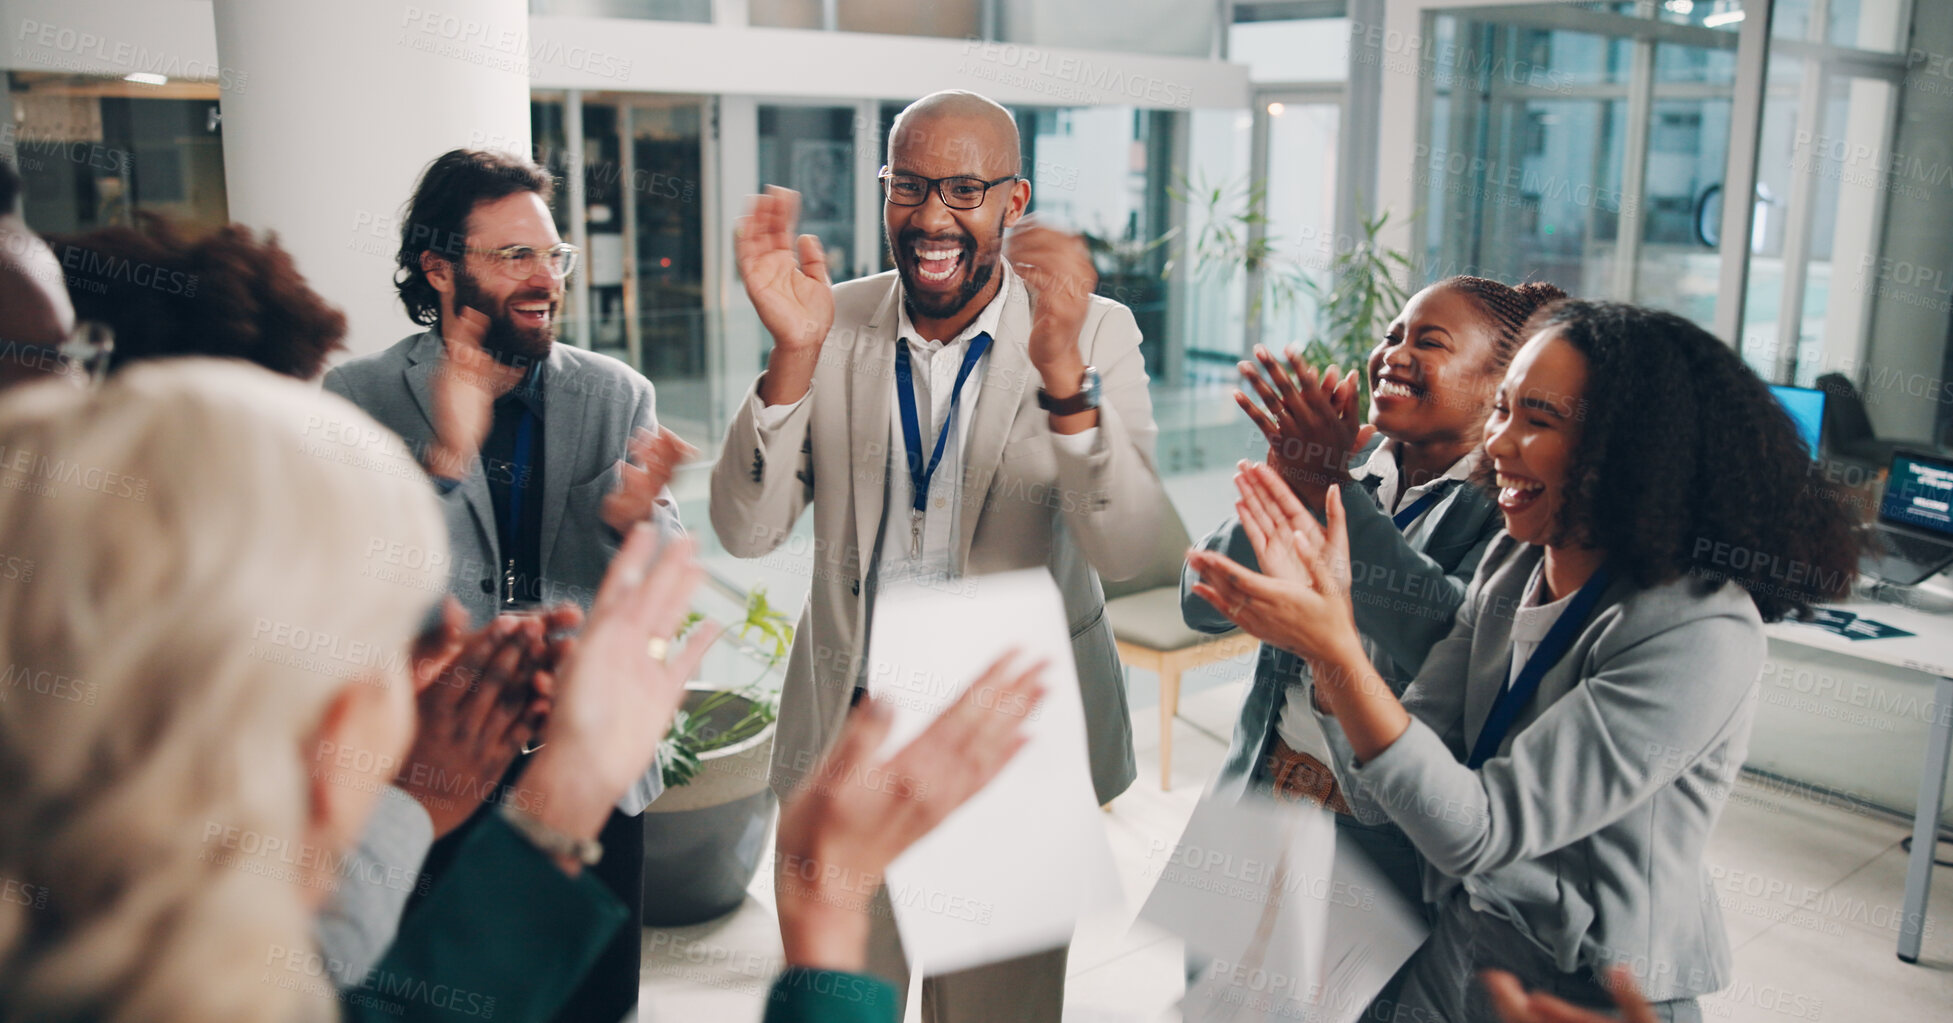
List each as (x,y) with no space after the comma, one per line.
(344,104)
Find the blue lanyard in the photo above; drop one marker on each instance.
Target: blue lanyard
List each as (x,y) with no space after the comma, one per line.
(1550,650)
(1406,516)
(518,472)
(919,474)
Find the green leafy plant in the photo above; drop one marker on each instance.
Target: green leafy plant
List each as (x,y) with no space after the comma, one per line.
(1354,302)
(1356,306)
(767,636)
(1233,237)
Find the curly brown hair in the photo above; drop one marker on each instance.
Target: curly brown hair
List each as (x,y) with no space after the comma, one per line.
(165,292)
(1687,466)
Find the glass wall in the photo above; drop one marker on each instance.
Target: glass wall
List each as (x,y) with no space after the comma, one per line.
(1588,144)
(810,149)
(643,276)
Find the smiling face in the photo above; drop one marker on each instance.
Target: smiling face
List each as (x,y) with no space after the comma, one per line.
(948,258)
(1431,377)
(522,313)
(1532,435)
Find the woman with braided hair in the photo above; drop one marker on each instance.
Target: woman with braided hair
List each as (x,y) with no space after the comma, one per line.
(1416,531)
(1564,752)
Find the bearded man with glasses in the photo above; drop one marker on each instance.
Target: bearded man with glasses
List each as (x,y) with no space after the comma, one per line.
(545,456)
(977,409)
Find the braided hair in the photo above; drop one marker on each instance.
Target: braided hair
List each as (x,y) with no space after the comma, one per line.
(1507,309)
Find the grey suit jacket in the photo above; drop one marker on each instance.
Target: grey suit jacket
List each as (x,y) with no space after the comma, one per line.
(1026,503)
(1405,598)
(591,404)
(1587,829)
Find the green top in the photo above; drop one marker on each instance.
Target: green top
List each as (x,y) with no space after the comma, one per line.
(506,935)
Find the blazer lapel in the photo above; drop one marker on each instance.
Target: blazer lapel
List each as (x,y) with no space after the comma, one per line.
(1487,679)
(868,432)
(564,422)
(1004,383)
(424,359)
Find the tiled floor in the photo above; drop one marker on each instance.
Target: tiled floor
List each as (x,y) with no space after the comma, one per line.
(1811,895)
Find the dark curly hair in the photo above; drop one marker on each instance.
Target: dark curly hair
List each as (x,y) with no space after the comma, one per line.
(437,216)
(165,292)
(1507,309)
(1686,465)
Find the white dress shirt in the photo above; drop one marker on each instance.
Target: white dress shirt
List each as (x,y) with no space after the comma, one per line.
(933,363)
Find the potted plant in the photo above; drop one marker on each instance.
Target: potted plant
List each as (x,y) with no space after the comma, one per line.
(1354,303)
(705,835)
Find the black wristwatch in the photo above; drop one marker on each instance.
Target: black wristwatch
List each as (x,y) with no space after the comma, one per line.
(1085,400)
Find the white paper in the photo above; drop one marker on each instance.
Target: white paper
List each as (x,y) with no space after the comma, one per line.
(1012,870)
(1288,917)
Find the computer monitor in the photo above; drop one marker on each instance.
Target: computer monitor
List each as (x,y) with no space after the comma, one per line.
(1806,408)
(1919,494)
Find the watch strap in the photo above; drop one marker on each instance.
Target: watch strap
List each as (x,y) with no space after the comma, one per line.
(1084,400)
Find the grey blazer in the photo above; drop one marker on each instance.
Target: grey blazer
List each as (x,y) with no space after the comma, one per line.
(591,404)
(1027,502)
(1587,829)
(1405,599)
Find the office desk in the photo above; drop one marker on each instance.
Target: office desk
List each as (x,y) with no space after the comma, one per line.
(1928,650)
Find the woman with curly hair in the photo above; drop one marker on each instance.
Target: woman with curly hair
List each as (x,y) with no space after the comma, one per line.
(1414,524)
(164,292)
(1561,758)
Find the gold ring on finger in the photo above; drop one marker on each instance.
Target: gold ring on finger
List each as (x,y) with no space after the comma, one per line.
(658,649)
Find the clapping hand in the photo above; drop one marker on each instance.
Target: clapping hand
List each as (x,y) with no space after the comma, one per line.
(1309,421)
(479,697)
(1057,270)
(464,390)
(786,277)
(1516,1005)
(858,811)
(654,458)
(1300,600)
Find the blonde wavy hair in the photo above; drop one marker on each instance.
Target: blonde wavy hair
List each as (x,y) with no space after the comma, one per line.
(172,548)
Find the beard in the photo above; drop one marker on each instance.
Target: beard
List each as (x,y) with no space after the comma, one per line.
(933,306)
(509,344)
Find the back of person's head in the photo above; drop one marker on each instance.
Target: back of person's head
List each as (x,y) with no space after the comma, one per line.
(1687,466)
(35,315)
(437,216)
(194,573)
(1507,309)
(165,293)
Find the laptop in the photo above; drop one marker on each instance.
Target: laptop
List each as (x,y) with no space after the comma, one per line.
(1806,408)
(1913,538)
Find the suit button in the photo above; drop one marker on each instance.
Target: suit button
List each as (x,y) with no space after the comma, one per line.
(488,586)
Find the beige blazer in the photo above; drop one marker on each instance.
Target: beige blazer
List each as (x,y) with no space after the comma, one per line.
(1026,503)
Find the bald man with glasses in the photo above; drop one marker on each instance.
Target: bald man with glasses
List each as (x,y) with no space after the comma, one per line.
(977,409)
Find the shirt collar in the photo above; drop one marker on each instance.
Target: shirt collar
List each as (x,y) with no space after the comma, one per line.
(529,390)
(985,323)
(1382,467)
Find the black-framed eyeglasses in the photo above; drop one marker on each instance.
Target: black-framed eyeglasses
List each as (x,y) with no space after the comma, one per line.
(958,192)
(521,261)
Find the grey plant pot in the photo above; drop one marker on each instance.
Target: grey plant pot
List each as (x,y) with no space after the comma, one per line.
(703,841)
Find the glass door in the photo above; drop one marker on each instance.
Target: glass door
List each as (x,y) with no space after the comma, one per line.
(1297,133)
(1578,146)
(1589,144)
